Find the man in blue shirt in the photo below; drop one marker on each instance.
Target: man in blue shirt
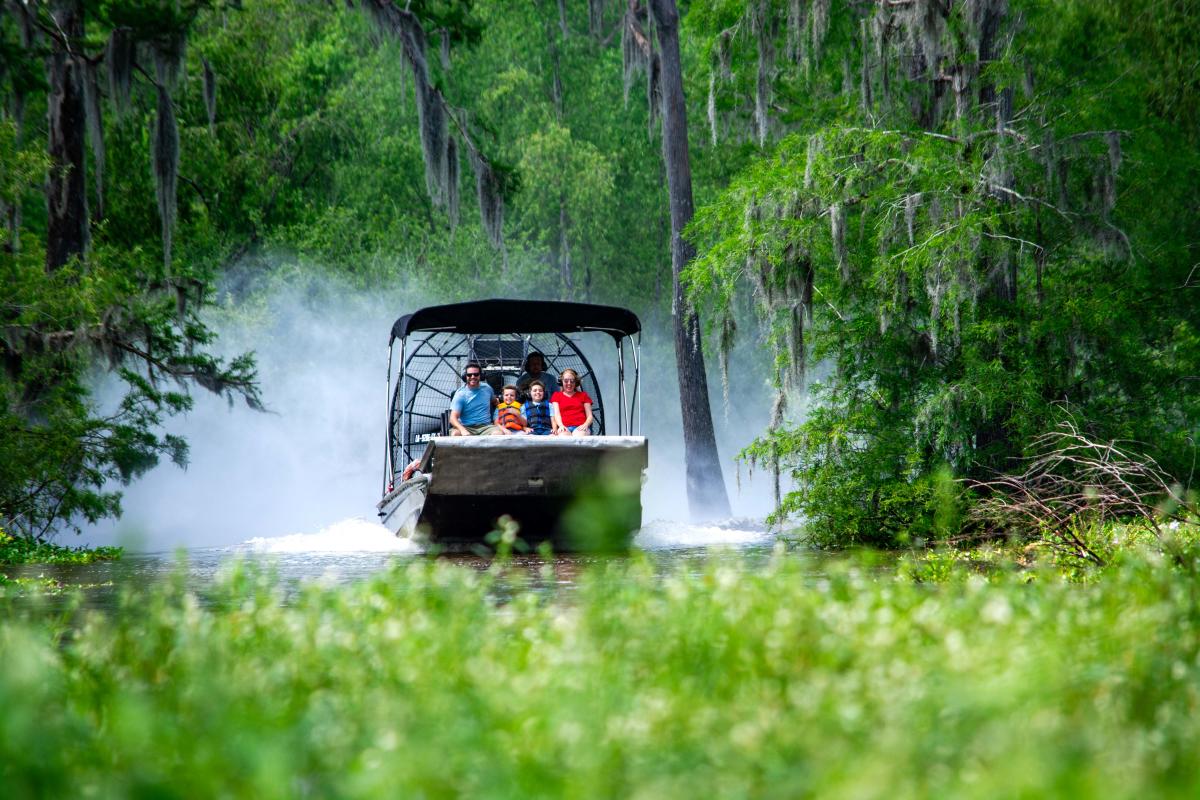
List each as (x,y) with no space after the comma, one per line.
(471,407)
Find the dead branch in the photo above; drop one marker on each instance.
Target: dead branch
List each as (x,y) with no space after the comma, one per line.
(1072,483)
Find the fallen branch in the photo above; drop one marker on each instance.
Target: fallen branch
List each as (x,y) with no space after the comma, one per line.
(1073,483)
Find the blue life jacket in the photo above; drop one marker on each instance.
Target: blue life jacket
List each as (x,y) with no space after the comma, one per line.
(538,415)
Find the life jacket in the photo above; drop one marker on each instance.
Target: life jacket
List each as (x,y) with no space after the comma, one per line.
(508,415)
(538,415)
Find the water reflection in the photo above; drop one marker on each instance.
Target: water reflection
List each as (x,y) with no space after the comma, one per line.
(355,549)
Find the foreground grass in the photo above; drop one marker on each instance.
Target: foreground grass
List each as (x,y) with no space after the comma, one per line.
(732,683)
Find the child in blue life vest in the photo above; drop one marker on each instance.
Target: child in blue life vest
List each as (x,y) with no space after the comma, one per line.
(508,412)
(537,410)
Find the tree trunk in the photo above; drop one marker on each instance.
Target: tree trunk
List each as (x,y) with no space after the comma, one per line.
(705,485)
(66,189)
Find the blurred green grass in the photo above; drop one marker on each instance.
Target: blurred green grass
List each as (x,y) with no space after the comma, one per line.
(433,680)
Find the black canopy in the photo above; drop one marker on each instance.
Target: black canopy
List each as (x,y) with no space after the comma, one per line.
(519,316)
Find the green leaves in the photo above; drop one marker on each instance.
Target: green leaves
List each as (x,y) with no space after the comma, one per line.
(960,268)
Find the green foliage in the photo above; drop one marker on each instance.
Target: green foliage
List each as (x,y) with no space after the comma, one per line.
(15,550)
(719,679)
(605,513)
(115,308)
(939,279)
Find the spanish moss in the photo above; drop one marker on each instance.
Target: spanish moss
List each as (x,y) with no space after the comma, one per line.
(865,76)
(596,9)
(636,50)
(910,215)
(120,58)
(434,134)
(712,107)
(1113,140)
(814,150)
(95,130)
(165,159)
(444,50)
(761,27)
(488,192)
(728,335)
(797,31)
(653,94)
(837,224)
(210,96)
(820,26)
(452,178)
(170,58)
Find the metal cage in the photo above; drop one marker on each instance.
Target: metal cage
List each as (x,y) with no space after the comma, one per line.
(431,371)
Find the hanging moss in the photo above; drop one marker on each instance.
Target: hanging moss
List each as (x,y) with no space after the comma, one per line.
(865,69)
(488,192)
(725,342)
(210,96)
(797,29)
(636,53)
(439,147)
(820,26)
(452,178)
(170,58)
(712,106)
(813,151)
(837,225)
(95,130)
(596,9)
(165,161)
(120,58)
(762,30)
(1113,140)
(910,214)
(444,49)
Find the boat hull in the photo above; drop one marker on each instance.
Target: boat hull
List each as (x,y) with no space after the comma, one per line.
(577,493)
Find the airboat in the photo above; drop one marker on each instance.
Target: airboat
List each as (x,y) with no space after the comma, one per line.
(453,491)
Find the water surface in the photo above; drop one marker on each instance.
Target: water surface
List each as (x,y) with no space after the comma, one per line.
(357,548)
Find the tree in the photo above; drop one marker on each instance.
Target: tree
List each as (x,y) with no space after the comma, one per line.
(963,214)
(66,189)
(72,302)
(705,486)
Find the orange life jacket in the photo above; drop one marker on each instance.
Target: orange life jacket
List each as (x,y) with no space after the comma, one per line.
(508,415)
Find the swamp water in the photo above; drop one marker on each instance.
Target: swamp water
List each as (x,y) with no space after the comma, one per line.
(356,548)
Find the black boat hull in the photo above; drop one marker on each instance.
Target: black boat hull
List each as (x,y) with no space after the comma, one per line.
(580,494)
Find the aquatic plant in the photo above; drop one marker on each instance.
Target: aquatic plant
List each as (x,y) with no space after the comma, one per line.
(727,680)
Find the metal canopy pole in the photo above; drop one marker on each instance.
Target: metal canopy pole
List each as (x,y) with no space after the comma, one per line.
(621,384)
(387,442)
(637,382)
(405,417)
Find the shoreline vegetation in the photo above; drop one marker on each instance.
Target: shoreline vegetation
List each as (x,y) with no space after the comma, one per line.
(22,550)
(950,677)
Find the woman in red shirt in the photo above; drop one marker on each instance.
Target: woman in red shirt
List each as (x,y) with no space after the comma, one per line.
(571,409)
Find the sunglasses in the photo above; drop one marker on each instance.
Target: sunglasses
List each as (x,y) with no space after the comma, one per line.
(470,375)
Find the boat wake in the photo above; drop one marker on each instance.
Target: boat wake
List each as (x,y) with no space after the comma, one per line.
(354,535)
(360,535)
(668,534)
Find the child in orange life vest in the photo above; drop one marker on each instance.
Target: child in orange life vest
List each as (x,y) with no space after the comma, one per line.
(508,413)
